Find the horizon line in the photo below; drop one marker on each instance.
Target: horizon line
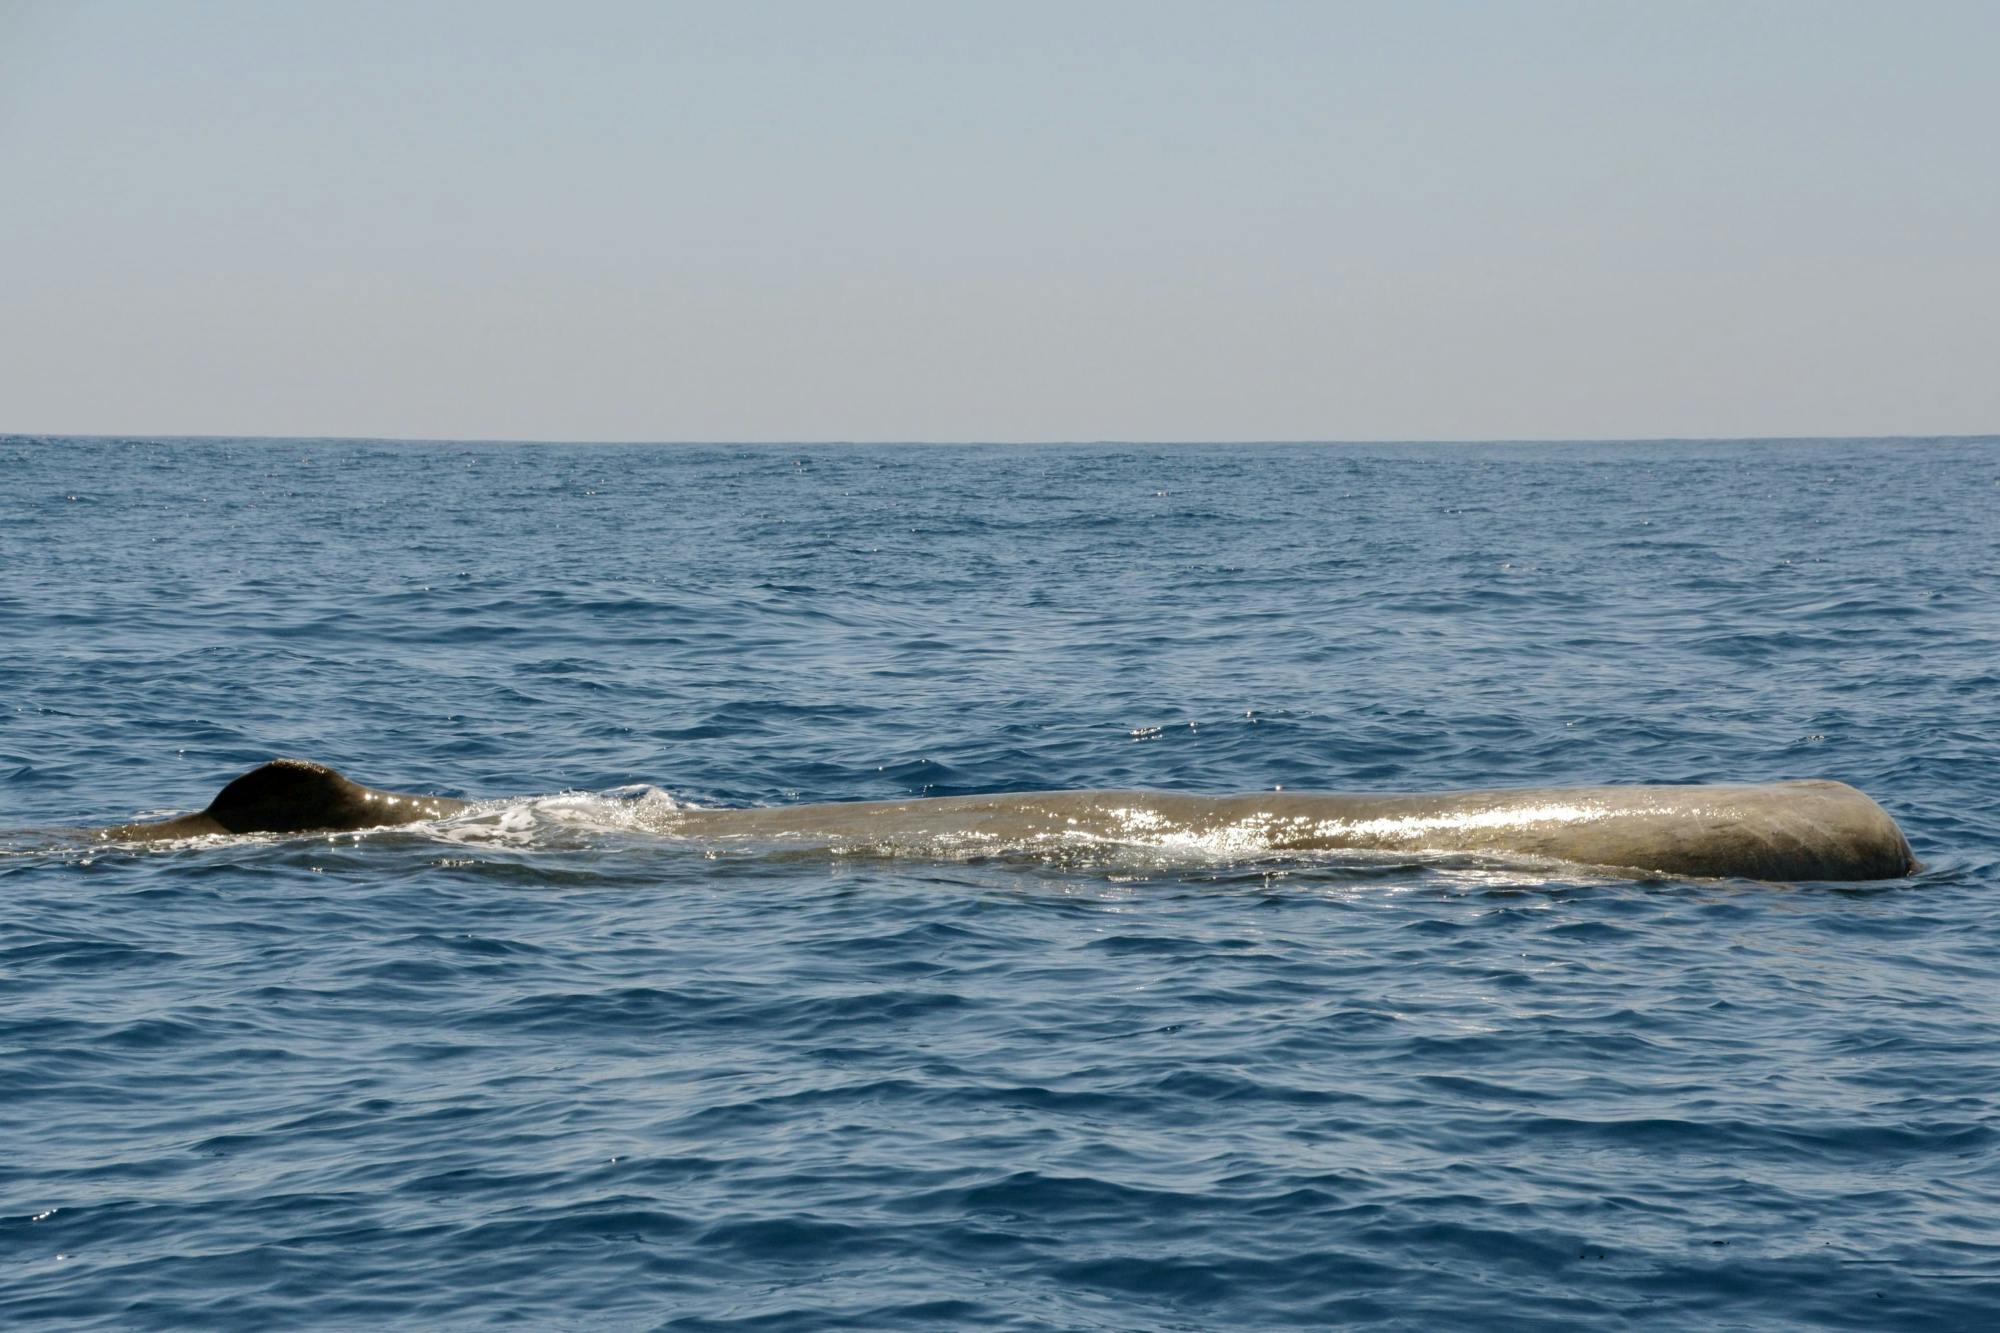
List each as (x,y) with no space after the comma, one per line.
(1301,441)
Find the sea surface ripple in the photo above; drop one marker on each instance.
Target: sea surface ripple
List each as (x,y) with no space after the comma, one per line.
(540,1065)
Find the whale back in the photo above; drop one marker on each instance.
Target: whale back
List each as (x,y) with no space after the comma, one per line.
(1810,830)
(291,796)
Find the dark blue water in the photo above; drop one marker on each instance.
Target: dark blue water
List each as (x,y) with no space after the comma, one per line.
(536,1065)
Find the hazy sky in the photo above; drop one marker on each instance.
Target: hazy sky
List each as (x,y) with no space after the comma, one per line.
(1002,221)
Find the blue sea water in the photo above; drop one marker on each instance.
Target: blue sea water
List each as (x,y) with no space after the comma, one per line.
(538,1065)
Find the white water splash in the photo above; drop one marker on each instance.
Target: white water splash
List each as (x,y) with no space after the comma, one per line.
(559,819)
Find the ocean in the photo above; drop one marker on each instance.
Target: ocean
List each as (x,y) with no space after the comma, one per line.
(541,1065)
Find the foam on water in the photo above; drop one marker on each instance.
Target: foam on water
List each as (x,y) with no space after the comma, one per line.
(560,820)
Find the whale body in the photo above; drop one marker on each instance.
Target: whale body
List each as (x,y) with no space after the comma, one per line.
(1801,830)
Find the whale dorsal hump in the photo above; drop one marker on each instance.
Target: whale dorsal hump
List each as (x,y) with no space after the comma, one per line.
(290,796)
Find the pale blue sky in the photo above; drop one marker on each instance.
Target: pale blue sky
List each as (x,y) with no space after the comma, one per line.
(1008,221)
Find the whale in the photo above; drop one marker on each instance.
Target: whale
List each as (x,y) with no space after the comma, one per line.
(1800,830)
